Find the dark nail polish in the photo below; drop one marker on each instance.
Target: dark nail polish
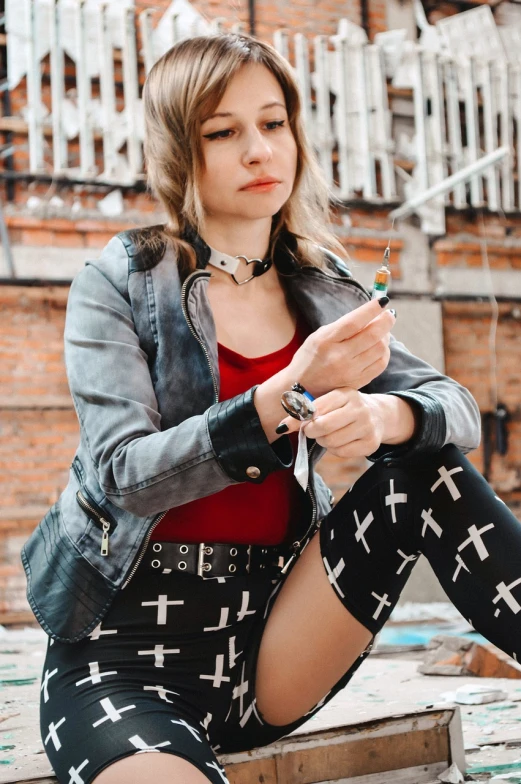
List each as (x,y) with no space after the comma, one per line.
(383,301)
(392,310)
(283,428)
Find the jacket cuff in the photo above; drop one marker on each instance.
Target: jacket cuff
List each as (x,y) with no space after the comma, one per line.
(431,427)
(239,441)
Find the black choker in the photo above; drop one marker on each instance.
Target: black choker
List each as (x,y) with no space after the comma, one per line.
(230,265)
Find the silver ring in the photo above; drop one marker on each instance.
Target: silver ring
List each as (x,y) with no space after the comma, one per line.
(157,547)
(156,564)
(232,568)
(181,565)
(208,550)
(183,549)
(207,567)
(233,551)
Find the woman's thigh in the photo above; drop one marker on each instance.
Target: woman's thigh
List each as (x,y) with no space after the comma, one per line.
(156,676)
(160,768)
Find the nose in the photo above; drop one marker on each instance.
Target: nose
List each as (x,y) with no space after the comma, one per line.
(257,147)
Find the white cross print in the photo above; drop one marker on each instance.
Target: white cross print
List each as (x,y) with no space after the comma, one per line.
(218,678)
(206,721)
(362,528)
(461,564)
(240,690)
(430,521)
(393,499)
(74,773)
(333,574)
(407,558)
(505,593)
(158,651)
(96,634)
(140,744)
(383,603)
(219,770)
(223,621)
(161,691)
(231,653)
(53,735)
(251,710)
(111,712)
(45,683)
(446,478)
(95,674)
(162,606)
(194,732)
(475,539)
(243,612)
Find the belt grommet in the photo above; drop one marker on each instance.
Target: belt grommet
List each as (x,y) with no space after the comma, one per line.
(183,549)
(208,551)
(181,565)
(233,551)
(157,547)
(207,567)
(156,564)
(232,568)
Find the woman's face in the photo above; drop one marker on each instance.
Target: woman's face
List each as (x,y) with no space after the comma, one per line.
(248,137)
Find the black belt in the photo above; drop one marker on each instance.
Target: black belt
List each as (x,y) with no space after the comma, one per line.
(215,559)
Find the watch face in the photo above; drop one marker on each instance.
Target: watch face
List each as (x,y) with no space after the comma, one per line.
(297,406)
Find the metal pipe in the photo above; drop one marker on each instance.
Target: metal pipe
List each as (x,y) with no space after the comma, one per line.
(408,207)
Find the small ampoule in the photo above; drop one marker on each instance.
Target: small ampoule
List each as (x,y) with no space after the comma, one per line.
(382,277)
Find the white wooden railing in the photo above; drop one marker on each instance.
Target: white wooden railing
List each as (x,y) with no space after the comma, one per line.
(464,107)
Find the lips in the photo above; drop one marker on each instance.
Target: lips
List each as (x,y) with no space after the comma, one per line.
(260,181)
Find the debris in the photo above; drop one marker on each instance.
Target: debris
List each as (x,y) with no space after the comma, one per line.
(448,655)
(112,205)
(452,775)
(474,694)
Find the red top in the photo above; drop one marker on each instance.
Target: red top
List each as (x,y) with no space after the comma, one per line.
(244,513)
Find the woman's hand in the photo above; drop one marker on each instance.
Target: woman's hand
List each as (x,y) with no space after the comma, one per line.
(349,423)
(353,350)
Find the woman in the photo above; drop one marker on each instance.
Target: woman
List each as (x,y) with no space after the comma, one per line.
(200,596)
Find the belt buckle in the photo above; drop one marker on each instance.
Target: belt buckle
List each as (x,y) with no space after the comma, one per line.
(202,565)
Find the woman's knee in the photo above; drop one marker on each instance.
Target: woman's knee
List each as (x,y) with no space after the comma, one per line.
(162,768)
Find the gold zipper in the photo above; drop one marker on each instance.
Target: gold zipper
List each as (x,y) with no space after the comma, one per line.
(105,524)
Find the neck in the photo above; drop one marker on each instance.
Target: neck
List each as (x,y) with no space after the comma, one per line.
(250,238)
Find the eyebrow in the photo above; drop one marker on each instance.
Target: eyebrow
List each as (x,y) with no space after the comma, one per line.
(230,114)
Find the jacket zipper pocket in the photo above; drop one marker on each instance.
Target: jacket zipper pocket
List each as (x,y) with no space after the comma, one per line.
(99,521)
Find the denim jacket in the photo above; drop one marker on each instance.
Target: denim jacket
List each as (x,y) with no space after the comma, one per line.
(142,365)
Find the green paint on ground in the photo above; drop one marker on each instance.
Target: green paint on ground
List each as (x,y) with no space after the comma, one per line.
(505,768)
(7,748)
(6,761)
(17,681)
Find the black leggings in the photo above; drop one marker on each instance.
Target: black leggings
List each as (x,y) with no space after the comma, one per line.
(172,666)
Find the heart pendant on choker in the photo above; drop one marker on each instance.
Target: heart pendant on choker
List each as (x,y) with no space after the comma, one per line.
(230,264)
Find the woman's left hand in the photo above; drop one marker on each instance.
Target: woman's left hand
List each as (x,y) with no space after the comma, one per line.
(346,422)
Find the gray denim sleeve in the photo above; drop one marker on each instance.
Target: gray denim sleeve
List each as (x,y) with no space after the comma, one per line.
(446,412)
(140,467)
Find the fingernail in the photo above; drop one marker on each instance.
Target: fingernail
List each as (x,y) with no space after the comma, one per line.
(282,428)
(383,301)
(392,310)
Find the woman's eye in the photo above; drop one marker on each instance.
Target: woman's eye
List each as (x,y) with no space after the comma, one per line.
(223,134)
(216,135)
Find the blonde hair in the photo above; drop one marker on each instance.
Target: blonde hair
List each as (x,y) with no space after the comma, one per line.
(183,87)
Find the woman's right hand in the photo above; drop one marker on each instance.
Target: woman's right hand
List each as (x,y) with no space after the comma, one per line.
(350,352)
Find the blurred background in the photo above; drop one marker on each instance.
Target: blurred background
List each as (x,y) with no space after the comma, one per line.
(397,95)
